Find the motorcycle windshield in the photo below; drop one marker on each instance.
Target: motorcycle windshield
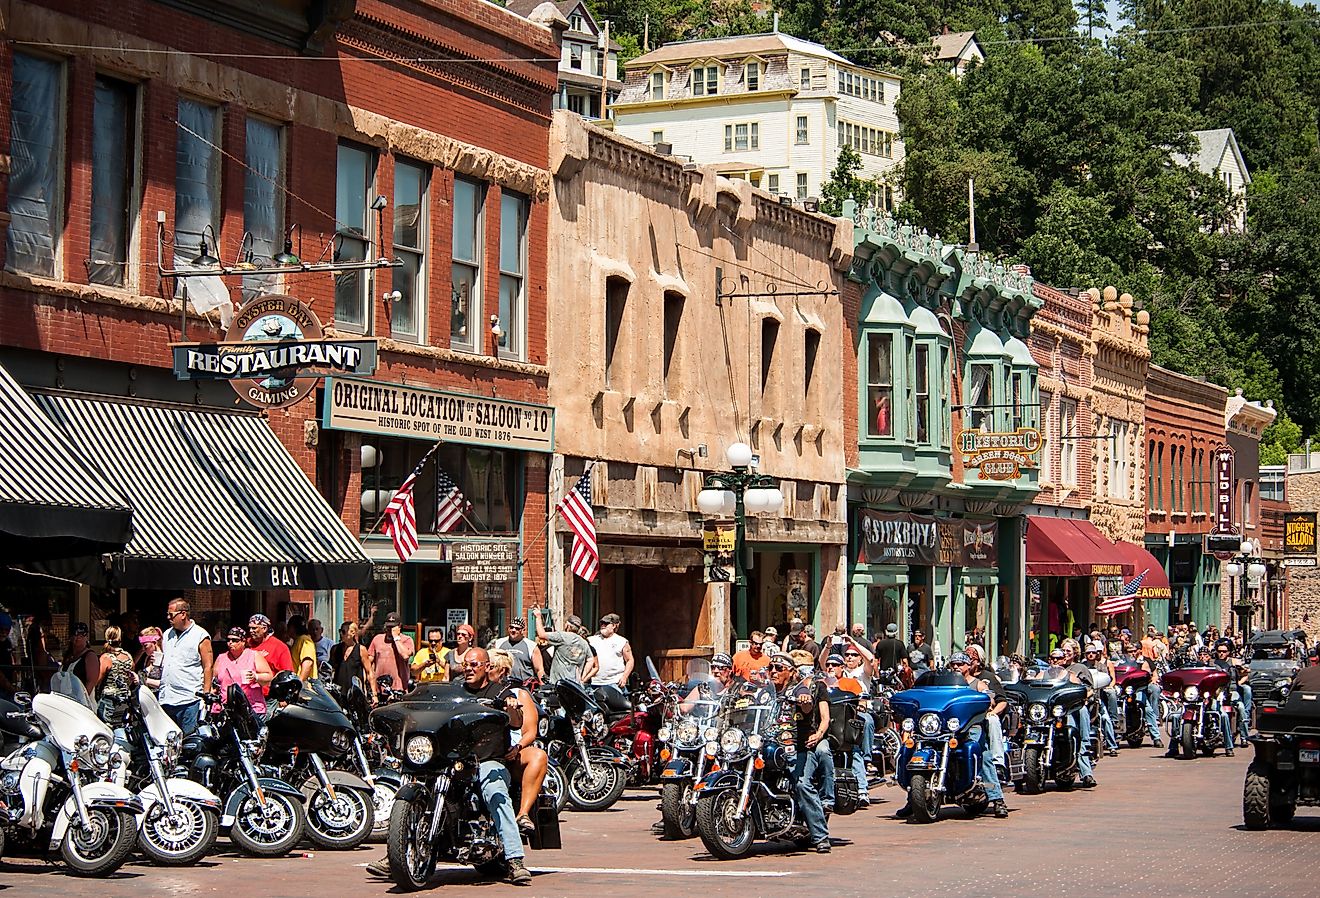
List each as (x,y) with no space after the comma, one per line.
(66,684)
(574,698)
(67,720)
(159,724)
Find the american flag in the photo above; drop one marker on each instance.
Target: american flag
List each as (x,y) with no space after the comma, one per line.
(401,515)
(450,505)
(576,509)
(1124,600)
(1034,586)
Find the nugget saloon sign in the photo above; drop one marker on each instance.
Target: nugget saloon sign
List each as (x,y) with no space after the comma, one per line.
(274,353)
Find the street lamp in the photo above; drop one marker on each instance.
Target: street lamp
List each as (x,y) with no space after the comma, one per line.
(739,493)
(1247,569)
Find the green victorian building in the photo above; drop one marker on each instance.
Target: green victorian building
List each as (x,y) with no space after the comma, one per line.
(947,438)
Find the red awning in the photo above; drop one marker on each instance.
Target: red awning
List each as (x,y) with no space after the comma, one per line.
(1064,547)
(1154,581)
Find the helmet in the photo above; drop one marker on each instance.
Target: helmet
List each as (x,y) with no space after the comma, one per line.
(285,686)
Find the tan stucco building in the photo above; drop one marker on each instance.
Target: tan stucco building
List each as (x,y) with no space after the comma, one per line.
(654,376)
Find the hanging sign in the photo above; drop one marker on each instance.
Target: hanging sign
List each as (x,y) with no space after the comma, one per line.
(1299,533)
(1000,456)
(273,353)
(1222,465)
(897,538)
(719,539)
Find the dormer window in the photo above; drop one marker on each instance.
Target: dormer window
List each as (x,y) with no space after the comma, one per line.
(657,85)
(752,75)
(577,23)
(705,81)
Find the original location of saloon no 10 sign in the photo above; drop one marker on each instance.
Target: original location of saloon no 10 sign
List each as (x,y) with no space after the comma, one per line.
(273,353)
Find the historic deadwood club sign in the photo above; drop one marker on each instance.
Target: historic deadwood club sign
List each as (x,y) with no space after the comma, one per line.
(1000,456)
(274,353)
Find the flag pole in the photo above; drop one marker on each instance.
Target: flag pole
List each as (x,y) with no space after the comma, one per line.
(380,519)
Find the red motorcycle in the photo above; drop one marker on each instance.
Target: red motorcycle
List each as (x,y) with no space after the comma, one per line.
(1200,695)
(635,722)
(1132,681)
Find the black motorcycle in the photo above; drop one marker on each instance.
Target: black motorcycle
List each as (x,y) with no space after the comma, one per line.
(575,735)
(310,739)
(442,736)
(262,813)
(1051,743)
(370,757)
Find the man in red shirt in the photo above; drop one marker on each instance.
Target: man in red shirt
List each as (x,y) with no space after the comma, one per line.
(752,658)
(263,642)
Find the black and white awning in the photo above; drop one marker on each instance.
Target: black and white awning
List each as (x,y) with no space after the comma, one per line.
(218,503)
(53,503)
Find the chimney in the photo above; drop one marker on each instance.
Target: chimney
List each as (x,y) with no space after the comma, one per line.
(776,22)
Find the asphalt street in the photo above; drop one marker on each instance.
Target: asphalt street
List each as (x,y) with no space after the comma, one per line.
(1155,826)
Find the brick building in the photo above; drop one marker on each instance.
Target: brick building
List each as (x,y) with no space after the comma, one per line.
(1252,600)
(321,124)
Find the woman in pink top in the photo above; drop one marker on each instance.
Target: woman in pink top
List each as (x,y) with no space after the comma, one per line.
(245,668)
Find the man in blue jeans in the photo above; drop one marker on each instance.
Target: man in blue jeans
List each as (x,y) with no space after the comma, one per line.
(1238,675)
(1066,656)
(186,668)
(961,664)
(804,710)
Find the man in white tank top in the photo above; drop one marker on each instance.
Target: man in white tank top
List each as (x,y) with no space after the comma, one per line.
(613,654)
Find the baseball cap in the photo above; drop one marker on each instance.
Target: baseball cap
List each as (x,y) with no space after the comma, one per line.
(959,658)
(610,619)
(835,659)
(392,618)
(770,631)
(891,630)
(721,659)
(261,619)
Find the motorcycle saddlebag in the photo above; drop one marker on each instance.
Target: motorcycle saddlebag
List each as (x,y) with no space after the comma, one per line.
(847,792)
(546,834)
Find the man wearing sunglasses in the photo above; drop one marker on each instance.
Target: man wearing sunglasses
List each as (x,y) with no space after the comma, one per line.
(961,664)
(1237,677)
(804,714)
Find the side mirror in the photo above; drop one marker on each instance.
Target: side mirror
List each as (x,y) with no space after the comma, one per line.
(23,700)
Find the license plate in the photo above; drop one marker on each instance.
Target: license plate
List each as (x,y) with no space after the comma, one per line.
(1309,756)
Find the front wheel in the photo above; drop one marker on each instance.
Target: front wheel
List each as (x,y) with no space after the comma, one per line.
(677,812)
(267,829)
(341,822)
(1256,798)
(411,860)
(922,801)
(101,847)
(726,836)
(1187,738)
(555,787)
(1033,773)
(382,800)
(179,839)
(600,793)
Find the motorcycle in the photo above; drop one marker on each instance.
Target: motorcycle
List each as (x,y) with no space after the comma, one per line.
(371,756)
(683,755)
(1132,682)
(307,729)
(59,791)
(634,724)
(1201,696)
(443,736)
(180,819)
(575,736)
(940,763)
(1051,743)
(262,814)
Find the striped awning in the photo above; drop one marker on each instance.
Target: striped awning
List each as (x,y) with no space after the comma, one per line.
(218,503)
(53,503)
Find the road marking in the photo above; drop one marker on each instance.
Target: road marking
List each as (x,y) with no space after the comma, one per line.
(616,871)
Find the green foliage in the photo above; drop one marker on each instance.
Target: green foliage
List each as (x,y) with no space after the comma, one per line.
(844,183)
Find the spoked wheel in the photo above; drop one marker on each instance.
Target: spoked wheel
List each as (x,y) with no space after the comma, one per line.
(677,812)
(101,847)
(922,800)
(1033,774)
(181,838)
(725,836)
(555,787)
(267,829)
(889,746)
(600,793)
(382,800)
(340,822)
(411,859)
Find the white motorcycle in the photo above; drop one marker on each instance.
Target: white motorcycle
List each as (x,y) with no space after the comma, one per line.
(60,791)
(180,818)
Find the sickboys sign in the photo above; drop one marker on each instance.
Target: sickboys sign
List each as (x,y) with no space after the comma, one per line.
(273,353)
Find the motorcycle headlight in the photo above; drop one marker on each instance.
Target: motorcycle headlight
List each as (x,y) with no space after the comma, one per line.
(928,724)
(98,752)
(340,740)
(663,734)
(419,750)
(733,741)
(687,732)
(1036,712)
(712,748)
(908,725)
(754,742)
(1128,690)
(954,723)
(1191,693)
(1058,710)
(712,734)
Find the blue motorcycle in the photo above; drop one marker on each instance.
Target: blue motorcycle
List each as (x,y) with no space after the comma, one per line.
(939,762)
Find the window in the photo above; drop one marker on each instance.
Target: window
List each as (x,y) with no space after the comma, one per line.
(263,199)
(742,136)
(909,387)
(352,194)
(578,103)
(673,322)
(804,79)
(1248,488)
(577,23)
(196,179)
(811,349)
(981,397)
(657,137)
(487,477)
(411,180)
(36,162)
(1159,477)
(772,181)
(752,75)
(616,305)
(1047,436)
(114,207)
(657,85)
(769,339)
(465,271)
(705,81)
(843,80)
(922,391)
(1150,477)
(801,129)
(1018,384)
(1068,442)
(880,385)
(802,185)
(1119,463)
(879,91)
(575,56)
(1273,486)
(1197,483)
(514,210)
(945,422)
